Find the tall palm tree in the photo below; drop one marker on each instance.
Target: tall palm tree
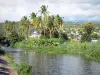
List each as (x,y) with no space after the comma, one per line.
(50,25)
(58,22)
(24,27)
(38,23)
(44,15)
(33,15)
(32,19)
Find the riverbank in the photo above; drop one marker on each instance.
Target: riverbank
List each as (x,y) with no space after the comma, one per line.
(6,67)
(14,68)
(87,49)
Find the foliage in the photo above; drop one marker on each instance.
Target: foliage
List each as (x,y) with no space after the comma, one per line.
(24,69)
(33,15)
(88,28)
(10,32)
(64,36)
(95,35)
(23,28)
(47,25)
(86,49)
(31,43)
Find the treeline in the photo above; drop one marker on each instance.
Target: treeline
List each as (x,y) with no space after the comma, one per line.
(48,26)
(45,24)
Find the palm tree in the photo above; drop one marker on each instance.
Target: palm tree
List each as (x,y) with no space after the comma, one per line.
(58,22)
(38,24)
(50,25)
(33,15)
(35,21)
(44,11)
(45,14)
(32,19)
(24,27)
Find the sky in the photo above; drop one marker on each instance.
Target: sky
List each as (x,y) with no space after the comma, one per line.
(71,10)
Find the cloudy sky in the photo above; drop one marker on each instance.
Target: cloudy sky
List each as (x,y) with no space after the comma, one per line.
(71,10)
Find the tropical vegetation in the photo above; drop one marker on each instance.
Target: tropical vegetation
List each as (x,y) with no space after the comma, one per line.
(54,37)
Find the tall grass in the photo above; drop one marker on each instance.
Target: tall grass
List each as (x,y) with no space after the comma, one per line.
(86,49)
(31,43)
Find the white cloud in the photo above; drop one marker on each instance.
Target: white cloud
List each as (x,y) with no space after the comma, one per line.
(15,9)
(94,18)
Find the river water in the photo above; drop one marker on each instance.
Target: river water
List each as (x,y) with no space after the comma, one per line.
(59,64)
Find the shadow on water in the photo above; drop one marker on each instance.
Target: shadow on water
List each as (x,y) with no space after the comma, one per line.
(60,64)
(2,52)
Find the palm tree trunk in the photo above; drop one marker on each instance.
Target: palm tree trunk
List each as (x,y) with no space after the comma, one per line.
(50,34)
(44,33)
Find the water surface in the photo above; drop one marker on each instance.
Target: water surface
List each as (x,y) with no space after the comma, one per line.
(59,64)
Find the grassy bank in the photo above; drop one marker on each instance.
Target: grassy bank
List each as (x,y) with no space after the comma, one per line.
(8,62)
(86,49)
(15,69)
(18,69)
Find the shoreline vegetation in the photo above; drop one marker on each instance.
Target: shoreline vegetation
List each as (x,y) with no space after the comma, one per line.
(9,67)
(14,68)
(86,49)
(6,66)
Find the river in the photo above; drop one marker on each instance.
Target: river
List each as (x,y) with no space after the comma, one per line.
(58,64)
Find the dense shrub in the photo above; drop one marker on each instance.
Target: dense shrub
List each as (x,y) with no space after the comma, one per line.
(24,69)
(30,43)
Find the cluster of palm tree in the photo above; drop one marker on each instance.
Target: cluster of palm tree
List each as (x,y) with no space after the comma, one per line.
(46,24)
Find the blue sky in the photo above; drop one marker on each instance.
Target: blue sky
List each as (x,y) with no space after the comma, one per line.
(71,10)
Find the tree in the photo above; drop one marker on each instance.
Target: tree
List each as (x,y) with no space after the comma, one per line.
(44,11)
(38,24)
(50,25)
(9,28)
(88,28)
(33,20)
(10,32)
(36,21)
(45,14)
(24,28)
(58,22)
(33,15)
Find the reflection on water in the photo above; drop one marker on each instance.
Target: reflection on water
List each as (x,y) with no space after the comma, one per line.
(60,64)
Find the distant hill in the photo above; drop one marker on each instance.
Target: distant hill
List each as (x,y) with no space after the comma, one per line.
(76,24)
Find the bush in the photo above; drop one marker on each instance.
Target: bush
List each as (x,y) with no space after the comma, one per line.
(88,28)
(30,43)
(24,69)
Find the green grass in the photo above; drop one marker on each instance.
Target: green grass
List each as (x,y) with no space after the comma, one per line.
(22,68)
(31,43)
(86,49)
